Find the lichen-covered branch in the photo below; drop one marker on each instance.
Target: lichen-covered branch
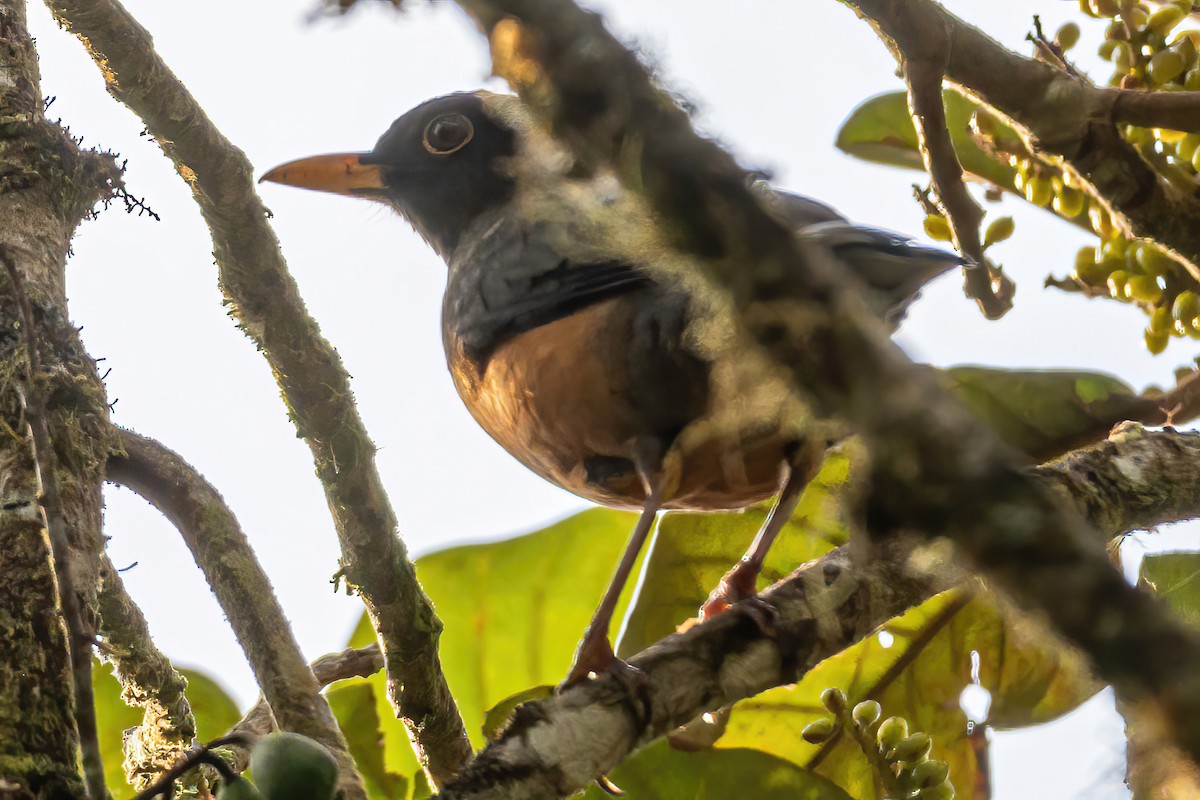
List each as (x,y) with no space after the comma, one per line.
(557,746)
(935,469)
(148,681)
(1062,114)
(241,586)
(315,386)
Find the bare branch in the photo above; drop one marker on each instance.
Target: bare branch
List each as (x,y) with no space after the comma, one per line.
(557,746)
(243,589)
(315,385)
(1177,111)
(923,71)
(935,469)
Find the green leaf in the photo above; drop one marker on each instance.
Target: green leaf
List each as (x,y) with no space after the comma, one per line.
(690,553)
(214,709)
(513,613)
(354,705)
(920,676)
(659,773)
(1176,578)
(881,130)
(1045,412)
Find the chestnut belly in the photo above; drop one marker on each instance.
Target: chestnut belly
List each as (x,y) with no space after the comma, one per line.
(558,398)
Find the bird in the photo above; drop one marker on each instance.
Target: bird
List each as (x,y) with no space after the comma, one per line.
(591,348)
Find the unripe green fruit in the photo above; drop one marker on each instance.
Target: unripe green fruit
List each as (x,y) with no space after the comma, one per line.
(1105,8)
(1114,249)
(1067,36)
(1122,57)
(1038,190)
(1115,32)
(866,712)
(238,789)
(930,773)
(1107,48)
(1131,257)
(1118,282)
(891,732)
(937,228)
(1070,202)
(1160,320)
(942,791)
(1154,261)
(911,748)
(1099,219)
(1144,288)
(1186,306)
(1156,342)
(1137,18)
(834,699)
(288,766)
(1188,145)
(1196,160)
(1166,65)
(818,731)
(1165,18)
(1191,81)
(998,231)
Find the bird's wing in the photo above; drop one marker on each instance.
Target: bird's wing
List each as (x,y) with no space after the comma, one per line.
(893,267)
(512,281)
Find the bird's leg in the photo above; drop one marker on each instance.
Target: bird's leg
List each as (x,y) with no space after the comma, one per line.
(740,583)
(595,653)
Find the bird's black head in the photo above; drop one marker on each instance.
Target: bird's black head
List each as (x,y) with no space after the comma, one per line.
(441,165)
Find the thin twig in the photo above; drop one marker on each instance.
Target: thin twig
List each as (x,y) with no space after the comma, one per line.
(924,72)
(315,385)
(81,637)
(212,533)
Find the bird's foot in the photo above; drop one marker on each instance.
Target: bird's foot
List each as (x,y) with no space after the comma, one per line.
(739,585)
(594,658)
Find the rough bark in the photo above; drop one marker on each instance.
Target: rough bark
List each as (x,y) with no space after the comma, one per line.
(47,186)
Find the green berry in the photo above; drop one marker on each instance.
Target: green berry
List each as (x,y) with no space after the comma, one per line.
(1070,202)
(1160,320)
(238,789)
(1156,341)
(940,792)
(1105,8)
(1118,283)
(1067,36)
(1186,306)
(930,773)
(818,731)
(998,231)
(891,732)
(866,712)
(287,766)
(1166,65)
(1165,18)
(911,748)
(1144,288)
(834,699)
(937,228)
(1188,145)
(1039,190)
(1191,81)
(1154,261)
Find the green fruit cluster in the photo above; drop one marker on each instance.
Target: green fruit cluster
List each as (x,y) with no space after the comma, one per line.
(889,746)
(1141,273)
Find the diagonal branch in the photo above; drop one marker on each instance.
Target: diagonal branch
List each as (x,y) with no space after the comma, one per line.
(935,469)
(243,589)
(557,746)
(315,386)
(1061,114)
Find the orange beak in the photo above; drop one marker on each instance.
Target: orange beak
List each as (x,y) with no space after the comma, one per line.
(340,173)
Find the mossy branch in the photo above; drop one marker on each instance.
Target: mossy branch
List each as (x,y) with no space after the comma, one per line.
(242,587)
(315,385)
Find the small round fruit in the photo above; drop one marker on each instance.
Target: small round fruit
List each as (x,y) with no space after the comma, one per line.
(288,765)
(1118,283)
(998,231)
(943,791)
(1160,320)
(238,789)
(1165,18)
(1154,261)
(1144,288)
(1067,36)
(1070,202)
(891,732)
(866,712)
(834,699)
(817,731)
(1156,342)
(1039,190)
(911,748)
(1166,65)
(930,773)
(937,228)
(1186,306)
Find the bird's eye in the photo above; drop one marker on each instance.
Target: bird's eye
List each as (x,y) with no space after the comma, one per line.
(447,133)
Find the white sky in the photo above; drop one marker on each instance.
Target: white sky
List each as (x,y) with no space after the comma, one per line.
(772,79)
